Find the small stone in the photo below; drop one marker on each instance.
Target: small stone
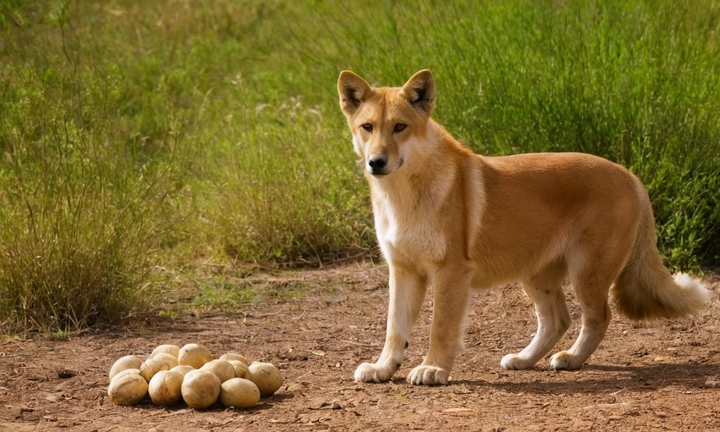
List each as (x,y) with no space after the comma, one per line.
(66,373)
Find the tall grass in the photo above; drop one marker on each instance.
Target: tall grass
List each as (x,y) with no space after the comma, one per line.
(83,200)
(637,82)
(167,132)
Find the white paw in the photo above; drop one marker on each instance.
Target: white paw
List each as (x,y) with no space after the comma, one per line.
(515,362)
(372,372)
(565,361)
(428,375)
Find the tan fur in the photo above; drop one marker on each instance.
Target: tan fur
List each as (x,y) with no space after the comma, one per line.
(453,220)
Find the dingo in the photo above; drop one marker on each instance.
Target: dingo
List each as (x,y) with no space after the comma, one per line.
(453,220)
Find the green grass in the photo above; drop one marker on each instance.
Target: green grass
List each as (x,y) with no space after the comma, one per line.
(168,133)
(219,294)
(225,292)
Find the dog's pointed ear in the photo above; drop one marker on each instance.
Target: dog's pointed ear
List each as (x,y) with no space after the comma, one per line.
(353,91)
(420,91)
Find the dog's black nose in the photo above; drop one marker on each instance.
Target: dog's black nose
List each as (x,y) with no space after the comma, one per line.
(377,163)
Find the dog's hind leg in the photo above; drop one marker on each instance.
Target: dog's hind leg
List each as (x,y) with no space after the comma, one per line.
(451,298)
(545,290)
(407,291)
(591,285)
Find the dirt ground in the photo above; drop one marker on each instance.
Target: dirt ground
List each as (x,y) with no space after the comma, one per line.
(659,375)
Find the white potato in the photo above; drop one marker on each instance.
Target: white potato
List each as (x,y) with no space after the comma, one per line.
(194,355)
(234,356)
(221,368)
(241,369)
(182,369)
(164,387)
(167,358)
(122,373)
(173,350)
(128,389)
(239,393)
(266,376)
(127,362)
(200,389)
(152,366)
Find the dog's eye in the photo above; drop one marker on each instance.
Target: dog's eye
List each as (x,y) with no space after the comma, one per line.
(399,127)
(367,127)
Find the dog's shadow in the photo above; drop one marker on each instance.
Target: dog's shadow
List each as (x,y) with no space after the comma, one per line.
(637,378)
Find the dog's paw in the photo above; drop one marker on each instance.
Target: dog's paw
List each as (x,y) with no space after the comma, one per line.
(428,375)
(372,372)
(564,360)
(515,362)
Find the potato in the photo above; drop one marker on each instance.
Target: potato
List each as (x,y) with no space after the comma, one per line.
(168,358)
(164,387)
(266,376)
(241,369)
(152,366)
(128,389)
(200,389)
(125,372)
(182,369)
(173,350)
(194,355)
(221,368)
(239,393)
(234,356)
(127,362)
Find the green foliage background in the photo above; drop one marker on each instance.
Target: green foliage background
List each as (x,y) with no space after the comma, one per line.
(136,136)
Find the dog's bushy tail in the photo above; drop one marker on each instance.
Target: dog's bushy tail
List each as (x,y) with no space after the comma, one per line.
(645,289)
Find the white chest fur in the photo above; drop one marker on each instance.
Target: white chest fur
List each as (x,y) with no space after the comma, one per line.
(409,221)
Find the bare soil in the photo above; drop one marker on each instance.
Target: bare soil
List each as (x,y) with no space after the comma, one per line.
(659,375)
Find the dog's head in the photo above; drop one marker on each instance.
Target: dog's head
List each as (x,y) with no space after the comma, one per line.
(385,120)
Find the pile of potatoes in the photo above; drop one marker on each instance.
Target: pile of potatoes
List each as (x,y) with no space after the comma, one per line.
(191,373)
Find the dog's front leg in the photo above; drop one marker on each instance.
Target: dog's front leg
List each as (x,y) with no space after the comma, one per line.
(407,290)
(451,295)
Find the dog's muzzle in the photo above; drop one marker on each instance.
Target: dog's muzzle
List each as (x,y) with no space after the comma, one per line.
(376,164)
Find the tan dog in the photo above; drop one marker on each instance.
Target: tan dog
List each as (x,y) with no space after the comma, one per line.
(453,220)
